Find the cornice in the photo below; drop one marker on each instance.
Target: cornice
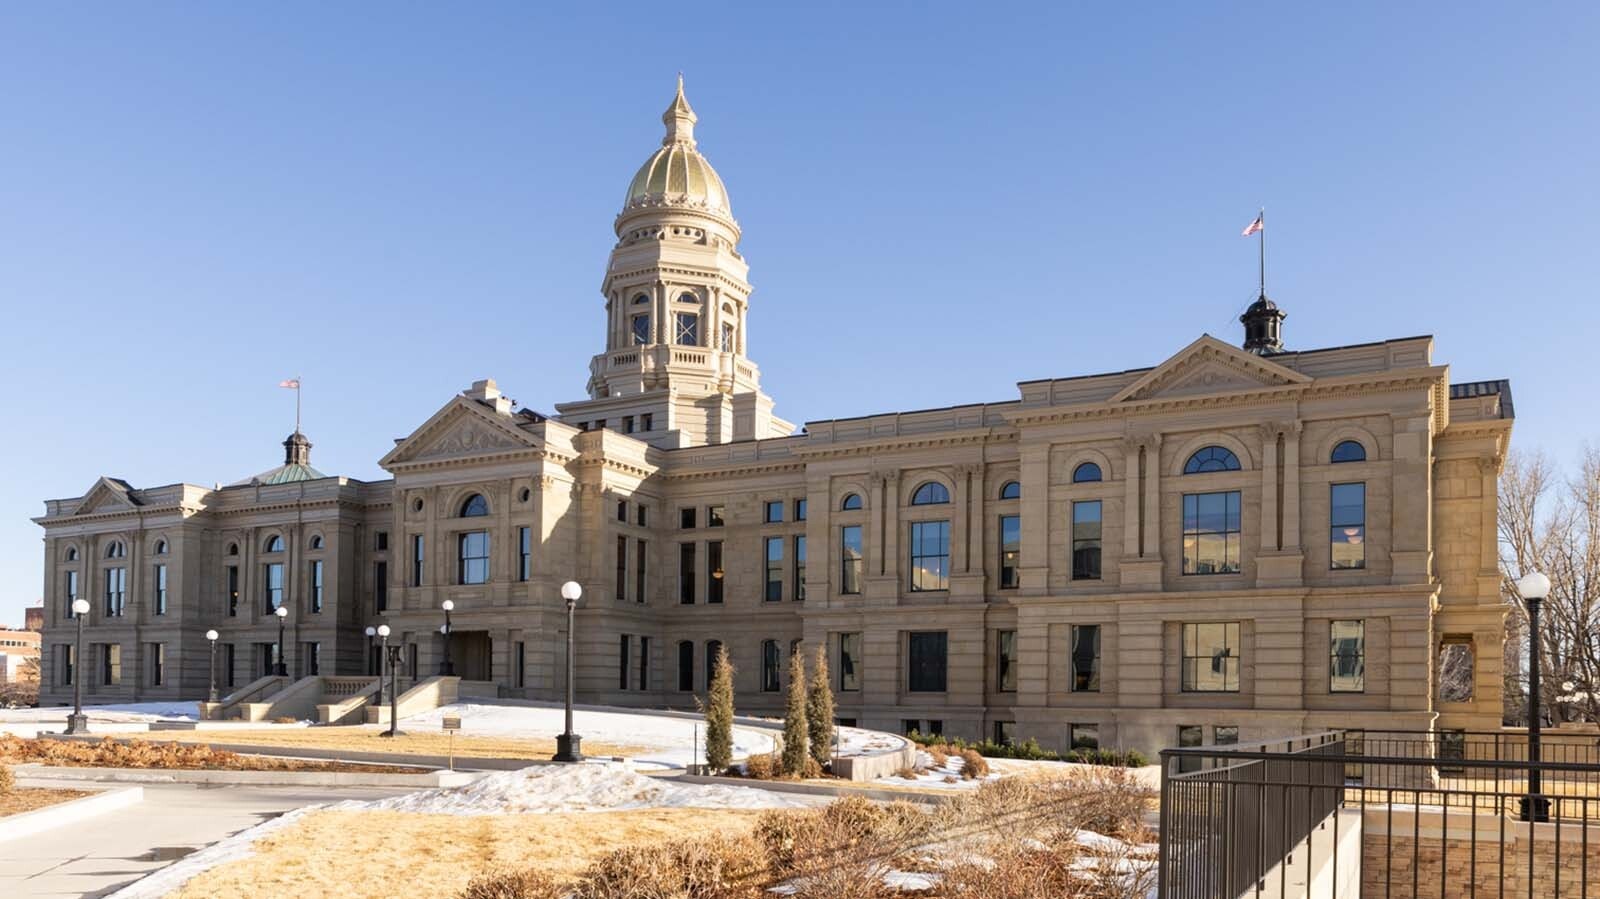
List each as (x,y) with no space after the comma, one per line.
(920,441)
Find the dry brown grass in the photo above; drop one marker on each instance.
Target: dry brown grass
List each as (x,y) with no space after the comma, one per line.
(331,853)
(843,850)
(109,753)
(367,738)
(15,802)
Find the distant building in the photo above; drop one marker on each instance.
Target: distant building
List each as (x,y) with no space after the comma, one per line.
(33,618)
(16,647)
(1234,543)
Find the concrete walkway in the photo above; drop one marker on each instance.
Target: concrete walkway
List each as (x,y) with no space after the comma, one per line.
(98,856)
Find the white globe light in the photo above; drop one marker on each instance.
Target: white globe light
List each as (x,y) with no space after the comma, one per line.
(443,629)
(448,605)
(371,631)
(211,635)
(383,630)
(571,590)
(281,612)
(80,607)
(1533,586)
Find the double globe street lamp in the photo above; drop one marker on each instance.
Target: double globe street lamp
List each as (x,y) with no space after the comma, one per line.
(391,654)
(568,744)
(78,722)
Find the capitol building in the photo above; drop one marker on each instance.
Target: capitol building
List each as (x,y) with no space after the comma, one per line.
(1241,541)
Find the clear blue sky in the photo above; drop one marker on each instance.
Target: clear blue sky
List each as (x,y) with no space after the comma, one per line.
(197,200)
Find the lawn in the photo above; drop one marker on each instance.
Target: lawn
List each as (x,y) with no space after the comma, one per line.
(15,802)
(367,738)
(382,854)
(109,753)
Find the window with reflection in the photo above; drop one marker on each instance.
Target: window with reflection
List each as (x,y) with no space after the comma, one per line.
(1005,657)
(1083,737)
(472,557)
(1011,490)
(1010,550)
(641,329)
(161,590)
(849,662)
(769,666)
(272,585)
(930,555)
(1348,451)
(688,329)
(72,554)
(727,342)
(1211,657)
(161,547)
(1211,458)
(314,581)
(850,503)
(799,591)
(316,542)
(524,553)
(774,582)
(70,589)
(686,564)
(932,493)
(1085,658)
(1347,525)
(1085,473)
(118,549)
(850,559)
(274,544)
(475,506)
(1347,664)
(1087,531)
(717,575)
(1211,533)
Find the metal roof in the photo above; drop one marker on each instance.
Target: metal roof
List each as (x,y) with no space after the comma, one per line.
(1500,388)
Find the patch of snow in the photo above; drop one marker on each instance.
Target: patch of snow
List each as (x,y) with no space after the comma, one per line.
(929,776)
(122,712)
(601,786)
(853,741)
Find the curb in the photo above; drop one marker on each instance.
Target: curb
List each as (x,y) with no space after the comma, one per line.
(420,780)
(30,823)
(811,789)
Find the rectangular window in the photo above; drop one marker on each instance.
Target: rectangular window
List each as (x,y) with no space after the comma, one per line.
(644,663)
(472,557)
(686,666)
(686,519)
(639,549)
(161,589)
(849,662)
(686,561)
(622,662)
(71,591)
(1010,550)
(64,653)
(1005,657)
(850,559)
(1211,657)
(116,591)
(381,541)
(157,653)
(773,512)
(688,329)
(1005,732)
(310,659)
(417,554)
(1083,737)
(1225,735)
(930,555)
(524,553)
(641,329)
(641,514)
(800,568)
(799,510)
(1086,534)
(774,555)
(622,511)
(267,653)
(925,655)
(233,590)
(380,586)
(627,424)
(714,565)
(769,666)
(1347,525)
(1347,665)
(1211,533)
(622,568)
(519,664)
(110,664)
(315,583)
(714,516)
(1085,658)
(727,337)
(273,585)
(412,665)
(229,653)
(647,422)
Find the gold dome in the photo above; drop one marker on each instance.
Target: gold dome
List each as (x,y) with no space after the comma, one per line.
(676,174)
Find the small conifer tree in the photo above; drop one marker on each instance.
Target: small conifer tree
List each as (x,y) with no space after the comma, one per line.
(719,714)
(819,709)
(794,718)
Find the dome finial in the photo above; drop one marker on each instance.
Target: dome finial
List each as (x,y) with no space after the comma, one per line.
(679,119)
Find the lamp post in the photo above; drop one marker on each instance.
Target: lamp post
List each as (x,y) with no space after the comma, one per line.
(283,668)
(445,668)
(391,654)
(78,722)
(211,695)
(569,744)
(1534,587)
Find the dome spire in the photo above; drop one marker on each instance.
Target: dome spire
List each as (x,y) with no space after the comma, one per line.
(679,119)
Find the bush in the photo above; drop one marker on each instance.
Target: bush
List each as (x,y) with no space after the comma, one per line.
(819,710)
(761,767)
(529,884)
(906,773)
(843,850)
(795,724)
(713,867)
(1030,750)
(937,754)
(973,765)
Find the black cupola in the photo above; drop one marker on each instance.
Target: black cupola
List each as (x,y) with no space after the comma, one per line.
(1263,327)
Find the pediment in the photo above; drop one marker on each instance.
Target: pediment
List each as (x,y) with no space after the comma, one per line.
(459,430)
(1209,366)
(107,495)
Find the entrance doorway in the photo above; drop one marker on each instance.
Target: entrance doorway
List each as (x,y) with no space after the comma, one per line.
(472,655)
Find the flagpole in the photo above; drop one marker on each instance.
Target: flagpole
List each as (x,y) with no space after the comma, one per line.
(297,383)
(1263,217)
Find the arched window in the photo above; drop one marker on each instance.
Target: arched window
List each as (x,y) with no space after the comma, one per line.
(233,549)
(1085,473)
(316,541)
(116,550)
(1349,451)
(641,300)
(1011,490)
(688,298)
(274,544)
(161,547)
(852,503)
(475,506)
(932,493)
(72,554)
(1211,458)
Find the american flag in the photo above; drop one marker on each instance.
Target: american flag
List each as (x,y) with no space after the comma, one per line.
(292,383)
(1258,225)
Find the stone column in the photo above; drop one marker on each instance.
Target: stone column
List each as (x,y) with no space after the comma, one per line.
(1130,504)
(1151,548)
(1034,563)
(1291,486)
(660,327)
(1270,506)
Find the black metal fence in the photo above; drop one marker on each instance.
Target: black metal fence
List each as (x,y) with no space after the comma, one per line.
(1412,813)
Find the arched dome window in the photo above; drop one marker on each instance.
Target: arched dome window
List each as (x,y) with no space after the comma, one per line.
(316,541)
(475,506)
(1085,473)
(641,300)
(233,549)
(851,503)
(1349,451)
(274,544)
(1011,490)
(161,547)
(116,550)
(932,493)
(687,297)
(72,554)
(1211,458)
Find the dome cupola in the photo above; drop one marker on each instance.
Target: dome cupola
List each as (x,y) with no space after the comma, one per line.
(677,176)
